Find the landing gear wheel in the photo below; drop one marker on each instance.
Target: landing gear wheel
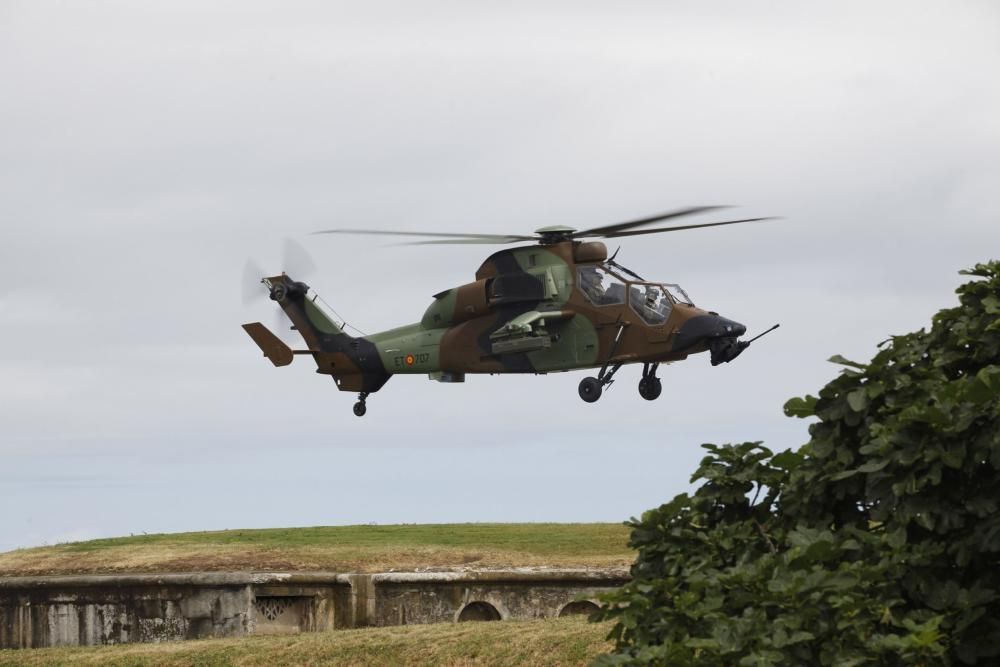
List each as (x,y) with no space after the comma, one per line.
(360,408)
(590,389)
(650,388)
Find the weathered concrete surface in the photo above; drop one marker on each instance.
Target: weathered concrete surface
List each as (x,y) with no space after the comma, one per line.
(112,609)
(432,597)
(87,616)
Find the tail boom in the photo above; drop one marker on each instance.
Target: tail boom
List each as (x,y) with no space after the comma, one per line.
(353,362)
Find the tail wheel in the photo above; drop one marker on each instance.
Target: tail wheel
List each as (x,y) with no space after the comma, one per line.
(360,409)
(590,389)
(650,388)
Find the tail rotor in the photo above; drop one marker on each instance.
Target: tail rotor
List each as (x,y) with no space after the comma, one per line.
(295,261)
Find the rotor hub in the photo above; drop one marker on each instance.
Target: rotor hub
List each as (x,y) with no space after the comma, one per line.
(554,234)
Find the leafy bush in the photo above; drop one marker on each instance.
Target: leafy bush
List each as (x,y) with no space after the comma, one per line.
(876,543)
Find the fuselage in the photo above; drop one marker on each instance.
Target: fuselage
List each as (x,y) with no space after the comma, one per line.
(563,318)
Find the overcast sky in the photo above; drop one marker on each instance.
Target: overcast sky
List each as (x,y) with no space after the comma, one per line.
(148,149)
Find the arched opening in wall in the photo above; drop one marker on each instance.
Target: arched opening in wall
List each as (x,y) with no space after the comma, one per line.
(479,611)
(578,608)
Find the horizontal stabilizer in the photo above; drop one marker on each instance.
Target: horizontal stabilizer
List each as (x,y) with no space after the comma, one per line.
(272,346)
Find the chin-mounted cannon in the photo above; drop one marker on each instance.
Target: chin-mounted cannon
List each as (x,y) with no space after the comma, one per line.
(724,350)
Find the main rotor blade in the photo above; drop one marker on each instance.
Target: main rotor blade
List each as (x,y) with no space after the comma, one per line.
(492,240)
(482,238)
(606,230)
(682,227)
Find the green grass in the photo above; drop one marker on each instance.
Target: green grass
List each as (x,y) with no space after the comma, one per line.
(563,641)
(337,548)
(537,537)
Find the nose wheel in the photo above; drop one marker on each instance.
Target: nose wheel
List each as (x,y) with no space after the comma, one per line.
(360,408)
(650,386)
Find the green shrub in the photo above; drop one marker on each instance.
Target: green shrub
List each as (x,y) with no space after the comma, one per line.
(876,543)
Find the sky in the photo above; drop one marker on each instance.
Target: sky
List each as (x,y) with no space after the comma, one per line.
(147,150)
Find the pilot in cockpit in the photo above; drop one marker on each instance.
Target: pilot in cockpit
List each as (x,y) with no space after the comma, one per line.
(590,284)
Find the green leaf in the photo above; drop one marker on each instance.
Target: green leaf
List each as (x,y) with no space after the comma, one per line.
(874,466)
(953,455)
(896,538)
(837,359)
(858,399)
(875,389)
(786,460)
(990,376)
(801,407)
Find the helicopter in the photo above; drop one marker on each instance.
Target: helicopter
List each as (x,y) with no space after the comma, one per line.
(559,304)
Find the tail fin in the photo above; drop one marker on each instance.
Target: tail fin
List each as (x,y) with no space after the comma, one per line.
(273,347)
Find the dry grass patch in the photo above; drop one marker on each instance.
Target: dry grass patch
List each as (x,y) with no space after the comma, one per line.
(336,548)
(563,641)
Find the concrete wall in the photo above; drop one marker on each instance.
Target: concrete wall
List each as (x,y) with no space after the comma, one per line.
(85,611)
(403,599)
(88,616)
(92,610)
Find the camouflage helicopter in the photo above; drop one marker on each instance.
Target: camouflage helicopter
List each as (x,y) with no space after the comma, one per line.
(559,304)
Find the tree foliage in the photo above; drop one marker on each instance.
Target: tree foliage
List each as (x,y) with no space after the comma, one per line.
(875,543)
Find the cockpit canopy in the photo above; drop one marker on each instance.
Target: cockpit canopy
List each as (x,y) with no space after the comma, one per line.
(652,302)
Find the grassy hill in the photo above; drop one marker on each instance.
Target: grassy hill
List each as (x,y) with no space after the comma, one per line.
(562,641)
(338,549)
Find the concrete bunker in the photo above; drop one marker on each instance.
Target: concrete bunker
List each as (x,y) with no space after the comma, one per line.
(82,610)
(479,611)
(579,608)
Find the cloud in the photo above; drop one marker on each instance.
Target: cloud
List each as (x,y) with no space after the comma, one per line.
(150,150)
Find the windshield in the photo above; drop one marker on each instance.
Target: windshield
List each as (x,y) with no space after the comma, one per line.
(605,285)
(677,293)
(650,302)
